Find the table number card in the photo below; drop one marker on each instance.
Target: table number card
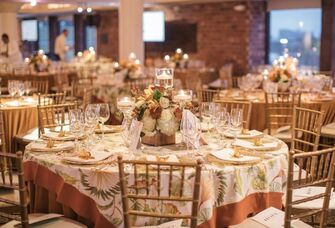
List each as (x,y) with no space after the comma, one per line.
(271,217)
(134,134)
(191,128)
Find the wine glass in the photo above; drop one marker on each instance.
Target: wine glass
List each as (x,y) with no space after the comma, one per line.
(236,115)
(206,113)
(27,87)
(20,88)
(126,106)
(103,115)
(222,124)
(11,88)
(91,119)
(76,124)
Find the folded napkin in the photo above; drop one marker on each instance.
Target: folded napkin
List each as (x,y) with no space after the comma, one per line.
(97,155)
(55,136)
(251,134)
(251,145)
(42,146)
(168,158)
(227,155)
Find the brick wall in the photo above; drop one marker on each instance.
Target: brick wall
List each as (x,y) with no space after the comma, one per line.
(108,34)
(223,34)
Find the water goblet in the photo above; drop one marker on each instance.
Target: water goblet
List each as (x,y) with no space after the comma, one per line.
(206,113)
(103,115)
(76,124)
(236,116)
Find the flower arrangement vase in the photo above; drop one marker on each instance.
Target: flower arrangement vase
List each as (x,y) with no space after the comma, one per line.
(159,139)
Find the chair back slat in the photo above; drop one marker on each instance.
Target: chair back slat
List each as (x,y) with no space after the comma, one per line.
(207,95)
(279,109)
(51,99)
(143,173)
(52,116)
(315,168)
(306,131)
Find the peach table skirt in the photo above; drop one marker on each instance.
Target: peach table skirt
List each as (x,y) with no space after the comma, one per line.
(18,121)
(49,193)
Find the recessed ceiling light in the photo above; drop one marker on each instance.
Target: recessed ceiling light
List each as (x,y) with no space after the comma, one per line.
(80,9)
(33,2)
(89,10)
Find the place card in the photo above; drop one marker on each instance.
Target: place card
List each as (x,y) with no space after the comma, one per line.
(172,224)
(134,134)
(271,217)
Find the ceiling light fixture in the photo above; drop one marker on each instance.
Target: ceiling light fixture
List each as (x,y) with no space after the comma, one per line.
(33,3)
(80,9)
(89,9)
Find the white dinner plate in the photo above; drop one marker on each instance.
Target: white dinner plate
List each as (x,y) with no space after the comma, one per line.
(266,145)
(55,136)
(226,155)
(97,156)
(40,146)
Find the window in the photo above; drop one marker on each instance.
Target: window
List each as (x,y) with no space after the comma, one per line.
(67,23)
(43,35)
(298,30)
(91,37)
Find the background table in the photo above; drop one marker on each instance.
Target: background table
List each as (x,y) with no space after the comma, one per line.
(93,192)
(18,119)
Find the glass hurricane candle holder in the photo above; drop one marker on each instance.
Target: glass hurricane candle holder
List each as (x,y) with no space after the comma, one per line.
(126,106)
(164,77)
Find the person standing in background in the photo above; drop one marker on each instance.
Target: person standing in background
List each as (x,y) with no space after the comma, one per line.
(9,49)
(60,46)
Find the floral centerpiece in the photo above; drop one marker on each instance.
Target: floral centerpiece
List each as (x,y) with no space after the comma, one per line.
(39,62)
(160,117)
(132,67)
(178,60)
(283,71)
(87,56)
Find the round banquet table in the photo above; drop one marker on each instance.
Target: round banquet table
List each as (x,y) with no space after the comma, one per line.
(20,115)
(258,105)
(229,193)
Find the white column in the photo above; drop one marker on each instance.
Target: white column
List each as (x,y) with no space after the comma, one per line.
(130,29)
(8,19)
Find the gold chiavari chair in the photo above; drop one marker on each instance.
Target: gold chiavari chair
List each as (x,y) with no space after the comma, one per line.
(306,129)
(316,172)
(19,213)
(207,95)
(52,98)
(52,116)
(279,113)
(226,75)
(141,83)
(87,97)
(235,81)
(144,172)
(39,83)
(315,175)
(244,105)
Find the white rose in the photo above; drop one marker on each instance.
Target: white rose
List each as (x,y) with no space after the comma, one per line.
(167,124)
(164,102)
(149,124)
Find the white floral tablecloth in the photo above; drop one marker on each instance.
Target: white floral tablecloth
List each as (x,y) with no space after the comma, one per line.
(222,184)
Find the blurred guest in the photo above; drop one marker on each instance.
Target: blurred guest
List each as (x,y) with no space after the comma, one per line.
(60,46)
(9,49)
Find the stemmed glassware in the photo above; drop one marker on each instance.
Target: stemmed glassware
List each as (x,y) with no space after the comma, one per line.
(236,116)
(222,124)
(206,113)
(103,114)
(91,119)
(20,88)
(76,124)
(12,88)
(126,106)
(27,87)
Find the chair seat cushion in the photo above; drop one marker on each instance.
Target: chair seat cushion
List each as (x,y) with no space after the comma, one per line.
(310,191)
(328,130)
(46,222)
(285,136)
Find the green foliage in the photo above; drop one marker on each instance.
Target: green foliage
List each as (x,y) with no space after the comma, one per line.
(222,187)
(157,95)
